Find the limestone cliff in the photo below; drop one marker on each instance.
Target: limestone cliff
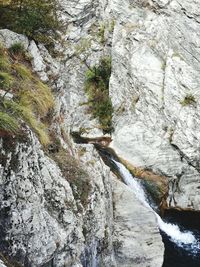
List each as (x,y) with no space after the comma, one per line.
(154,89)
(74,212)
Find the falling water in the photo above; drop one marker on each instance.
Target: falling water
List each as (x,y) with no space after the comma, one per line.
(173,231)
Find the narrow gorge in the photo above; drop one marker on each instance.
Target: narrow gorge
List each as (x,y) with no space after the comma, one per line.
(99,133)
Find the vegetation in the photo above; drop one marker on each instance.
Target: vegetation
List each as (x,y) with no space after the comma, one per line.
(8,123)
(22,71)
(97,89)
(35,18)
(101,33)
(6,80)
(32,100)
(112,26)
(4,62)
(76,176)
(17,49)
(188,100)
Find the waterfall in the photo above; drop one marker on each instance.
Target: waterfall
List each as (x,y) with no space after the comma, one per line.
(171,230)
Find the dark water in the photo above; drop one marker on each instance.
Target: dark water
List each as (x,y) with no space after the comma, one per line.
(187,255)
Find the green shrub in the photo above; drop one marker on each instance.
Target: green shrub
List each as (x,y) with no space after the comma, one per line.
(188,100)
(39,98)
(4,64)
(35,18)
(97,89)
(17,49)
(25,112)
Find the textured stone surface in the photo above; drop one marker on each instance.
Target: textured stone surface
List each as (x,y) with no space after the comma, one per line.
(155,51)
(41,221)
(131,221)
(8,38)
(155,66)
(34,214)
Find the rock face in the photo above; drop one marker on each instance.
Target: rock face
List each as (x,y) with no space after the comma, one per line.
(129,213)
(154,90)
(42,223)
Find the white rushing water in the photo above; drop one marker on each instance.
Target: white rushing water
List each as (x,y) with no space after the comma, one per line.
(172,230)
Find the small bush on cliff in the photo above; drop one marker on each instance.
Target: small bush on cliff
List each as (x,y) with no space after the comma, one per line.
(17,49)
(35,18)
(188,100)
(97,89)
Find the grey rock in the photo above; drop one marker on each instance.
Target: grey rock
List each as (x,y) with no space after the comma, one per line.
(155,67)
(37,61)
(8,38)
(134,230)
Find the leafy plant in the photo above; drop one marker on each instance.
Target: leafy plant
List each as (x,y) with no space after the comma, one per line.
(97,89)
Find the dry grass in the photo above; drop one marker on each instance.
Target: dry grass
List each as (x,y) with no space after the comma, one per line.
(32,101)
(8,123)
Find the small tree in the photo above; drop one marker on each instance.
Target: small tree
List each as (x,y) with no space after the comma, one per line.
(35,18)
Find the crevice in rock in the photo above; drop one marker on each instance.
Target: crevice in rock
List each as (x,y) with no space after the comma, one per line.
(186,158)
(104,141)
(174,185)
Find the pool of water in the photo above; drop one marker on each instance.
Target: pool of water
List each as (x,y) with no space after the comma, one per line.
(184,255)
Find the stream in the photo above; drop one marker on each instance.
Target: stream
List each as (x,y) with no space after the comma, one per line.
(182,246)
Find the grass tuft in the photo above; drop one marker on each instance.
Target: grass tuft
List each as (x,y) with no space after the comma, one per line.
(8,123)
(26,113)
(39,98)
(32,100)
(22,71)
(17,49)
(6,80)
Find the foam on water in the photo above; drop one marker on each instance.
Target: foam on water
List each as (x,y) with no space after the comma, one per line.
(175,233)
(172,230)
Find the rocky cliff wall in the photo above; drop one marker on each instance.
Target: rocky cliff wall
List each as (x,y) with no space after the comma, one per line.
(155,92)
(154,89)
